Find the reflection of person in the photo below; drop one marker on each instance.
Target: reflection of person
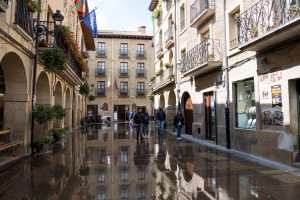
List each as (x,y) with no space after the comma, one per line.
(178,124)
(145,123)
(141,154)
(161,155)
(138,120)
(161,120)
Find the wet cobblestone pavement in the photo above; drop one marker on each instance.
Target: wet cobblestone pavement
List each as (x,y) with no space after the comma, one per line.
(107,163)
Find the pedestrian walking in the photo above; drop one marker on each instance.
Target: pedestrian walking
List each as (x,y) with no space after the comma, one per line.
(137,121)
(160,121)
(146,119)
(178,124)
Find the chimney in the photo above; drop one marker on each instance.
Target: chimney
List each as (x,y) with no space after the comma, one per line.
(142,29)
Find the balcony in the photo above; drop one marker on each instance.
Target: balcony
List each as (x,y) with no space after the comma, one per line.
(169,38)
(123,93)
(140,73)
(24,17)
(124,54)
(100,73)
(165,79)
(268,23)
(100,92)
(124,74)
(204,57)
(140,55)
(201,11)
(140,92)
(159,50)
(3,5)
(101,53)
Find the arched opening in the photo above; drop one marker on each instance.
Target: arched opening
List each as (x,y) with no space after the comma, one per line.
(43,97)
(162,102)
(171,109)
(58,100)
(188,112)
(68,107)
(13,96)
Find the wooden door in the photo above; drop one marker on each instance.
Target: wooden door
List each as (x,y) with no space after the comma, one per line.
(189,115)
(209,112)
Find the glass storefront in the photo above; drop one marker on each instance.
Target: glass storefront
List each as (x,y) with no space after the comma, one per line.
(245,104)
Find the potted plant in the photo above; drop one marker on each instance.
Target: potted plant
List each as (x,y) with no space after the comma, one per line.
(253,30)
(58,134)
(157,13)
(54,59)
(168,65)
(84,89)
(293,11)
(152,78)
(31,5)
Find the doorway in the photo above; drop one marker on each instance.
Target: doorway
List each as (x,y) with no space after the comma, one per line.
(121,112)
(188,113)
(210,115)
(298,112)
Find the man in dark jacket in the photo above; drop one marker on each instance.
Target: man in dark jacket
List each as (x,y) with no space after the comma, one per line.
(145,123)
(138,121)
(178,124)
(160,121)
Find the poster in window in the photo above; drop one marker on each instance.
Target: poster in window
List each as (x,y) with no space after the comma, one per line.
(276,95)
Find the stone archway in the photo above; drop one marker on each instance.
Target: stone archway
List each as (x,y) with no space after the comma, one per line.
(171,107)
(188,112)
(43,97)
(58,100)
(68,107)
(14,96)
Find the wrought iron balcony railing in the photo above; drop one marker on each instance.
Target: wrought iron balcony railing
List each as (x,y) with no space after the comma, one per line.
(159,49)
(204,53)
(24,17)
(124,93)
(265,16)
(124,54)
(100,92)
(140,92)
(100,72)
(101,53)
(233,44)
(169,37)
(166,77)
(199,6)
(124,73)
(140,54)
(3,5)
(140,73)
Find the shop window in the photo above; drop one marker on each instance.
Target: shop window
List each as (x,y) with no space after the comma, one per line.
(245,104)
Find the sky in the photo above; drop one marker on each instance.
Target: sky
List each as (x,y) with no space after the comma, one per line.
(122,14)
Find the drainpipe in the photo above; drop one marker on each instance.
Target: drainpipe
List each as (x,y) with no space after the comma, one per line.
(35,63)
(226,69)
(177,82)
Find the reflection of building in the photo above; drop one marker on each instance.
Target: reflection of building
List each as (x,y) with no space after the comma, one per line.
(121,71)
(117,167)
(17,39)
(263,80)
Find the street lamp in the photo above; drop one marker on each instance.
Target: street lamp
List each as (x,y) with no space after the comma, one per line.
(58,17)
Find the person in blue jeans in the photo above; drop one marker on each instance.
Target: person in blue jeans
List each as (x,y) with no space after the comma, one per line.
(160,121)
(178,124)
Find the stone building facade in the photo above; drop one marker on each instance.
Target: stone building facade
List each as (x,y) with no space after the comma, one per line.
(17,44)
(261,89)
(120,72)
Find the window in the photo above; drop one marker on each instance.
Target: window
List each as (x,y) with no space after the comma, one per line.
(140,87)
(124,176)
(124,155)
(182,17)
(102,156)
(233,29)
(101,66)
(141,175)
(124,68)
(124,194)
(124,49)
(101,48)
(101,178)
(140,49)
(140,69)
(245,104)
(124,87)
(101,195)
(100,90)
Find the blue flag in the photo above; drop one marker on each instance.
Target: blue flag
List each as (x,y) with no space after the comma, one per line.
(90,21)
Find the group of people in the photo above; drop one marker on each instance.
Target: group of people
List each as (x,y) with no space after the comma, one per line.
(140,121)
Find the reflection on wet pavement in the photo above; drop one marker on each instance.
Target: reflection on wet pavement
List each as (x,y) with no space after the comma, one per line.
(107,163)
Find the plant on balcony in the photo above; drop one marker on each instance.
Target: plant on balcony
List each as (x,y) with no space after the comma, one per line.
(160,72)
(152,78)
(84,89)
(157,13)
(54,59)
(293,11)
(31,5)
(253,30)
(168,65)
(92,98)
(69,42)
